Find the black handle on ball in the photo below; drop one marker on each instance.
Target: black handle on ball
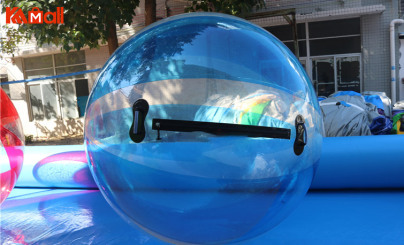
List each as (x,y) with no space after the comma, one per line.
(137,131)
(140,109)
(220,129)
(301,135)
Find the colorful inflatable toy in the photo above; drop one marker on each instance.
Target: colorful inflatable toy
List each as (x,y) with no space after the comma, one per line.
(203,128)
(11,147)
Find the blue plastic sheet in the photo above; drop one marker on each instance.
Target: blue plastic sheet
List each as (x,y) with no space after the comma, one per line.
(43,216)
(375,100)
(341,93)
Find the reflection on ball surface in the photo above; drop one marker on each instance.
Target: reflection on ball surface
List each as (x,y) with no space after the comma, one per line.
(203,128)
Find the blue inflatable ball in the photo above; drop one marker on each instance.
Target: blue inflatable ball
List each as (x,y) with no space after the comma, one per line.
(203,128)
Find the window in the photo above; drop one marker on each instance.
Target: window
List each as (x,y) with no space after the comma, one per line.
(330,52)
(342,45)
(336,73)
(285,34)
(340,40)
(5,87)
(324,76)
(56,98)
(335,37)
(82,95)
(334,28)
(348,73)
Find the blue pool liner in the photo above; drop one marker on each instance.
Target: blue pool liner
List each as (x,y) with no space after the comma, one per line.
(346,162)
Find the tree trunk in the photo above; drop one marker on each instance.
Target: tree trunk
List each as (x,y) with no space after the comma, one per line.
(112,37)
(150,12)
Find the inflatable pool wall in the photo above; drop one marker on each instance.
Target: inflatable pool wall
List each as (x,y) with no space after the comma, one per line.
(63,166)
(361,162)
(346,162)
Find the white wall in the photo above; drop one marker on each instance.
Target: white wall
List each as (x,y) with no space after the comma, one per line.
(95,58)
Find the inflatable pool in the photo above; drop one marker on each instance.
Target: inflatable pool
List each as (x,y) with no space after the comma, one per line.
(356,197)
(346,163)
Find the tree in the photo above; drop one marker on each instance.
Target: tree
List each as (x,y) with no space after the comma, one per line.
(233,7)
(9,41)
(86,22)
(150,12)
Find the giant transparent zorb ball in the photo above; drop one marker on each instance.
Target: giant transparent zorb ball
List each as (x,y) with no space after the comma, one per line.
(203,128)
(11,145)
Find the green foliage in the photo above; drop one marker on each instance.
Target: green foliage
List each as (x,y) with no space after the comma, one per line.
(86,22)
(29,138)
(10,40)
(233,7)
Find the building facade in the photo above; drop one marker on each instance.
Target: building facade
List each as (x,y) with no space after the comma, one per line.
(343,45)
